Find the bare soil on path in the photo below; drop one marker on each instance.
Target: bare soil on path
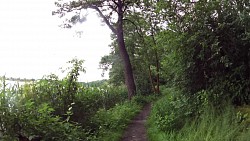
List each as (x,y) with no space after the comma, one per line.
(136,130)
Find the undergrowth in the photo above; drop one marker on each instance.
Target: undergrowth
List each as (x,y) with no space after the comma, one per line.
(113,121)
(172,119)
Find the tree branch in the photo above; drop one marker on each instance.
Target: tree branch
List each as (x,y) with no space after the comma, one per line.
(115,2)
(112,7)
(104,18)
(135,27)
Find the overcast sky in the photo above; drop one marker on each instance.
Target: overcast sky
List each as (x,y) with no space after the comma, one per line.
(32,44)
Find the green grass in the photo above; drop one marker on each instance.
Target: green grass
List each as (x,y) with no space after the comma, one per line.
(245,112)
(174,118)
(210,126)
(213,126)
(112,122)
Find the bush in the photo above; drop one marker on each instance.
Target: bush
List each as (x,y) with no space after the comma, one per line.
(57,109)
(170,112)
(173,119)
(28,100)
(142,100)
(89,100)
(31,121)
(111,122)
(38,110)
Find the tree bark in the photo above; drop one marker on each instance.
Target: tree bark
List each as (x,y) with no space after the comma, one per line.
(158,73)
(151,79)
(128,72)
(157,61)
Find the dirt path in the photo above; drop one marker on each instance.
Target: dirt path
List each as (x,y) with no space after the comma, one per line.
(136,130)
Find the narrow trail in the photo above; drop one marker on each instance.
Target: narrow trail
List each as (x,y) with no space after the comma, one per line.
(136,130)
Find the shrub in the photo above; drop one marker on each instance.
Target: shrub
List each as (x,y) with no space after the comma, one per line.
(172,119)
(41,108)
(142,100)
(38,110)
(89,100)
(30,121)
(111,122)
(170,112)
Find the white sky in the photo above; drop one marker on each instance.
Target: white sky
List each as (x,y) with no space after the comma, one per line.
(32,44)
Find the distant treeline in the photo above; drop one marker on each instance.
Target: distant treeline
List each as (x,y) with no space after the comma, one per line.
(89,84)
(18,79)
(96,83)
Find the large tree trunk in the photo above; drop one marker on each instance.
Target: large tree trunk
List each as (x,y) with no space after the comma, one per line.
(128,72)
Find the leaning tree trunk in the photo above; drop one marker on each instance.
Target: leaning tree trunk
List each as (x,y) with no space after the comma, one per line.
(128,72)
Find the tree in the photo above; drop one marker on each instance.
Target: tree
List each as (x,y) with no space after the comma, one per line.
(212,46)
(140,29)
(112,63)
(147,23)
(111,7)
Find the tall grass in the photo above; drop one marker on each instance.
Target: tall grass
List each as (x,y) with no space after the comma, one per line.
(112,122)
(210,126)
(213,124)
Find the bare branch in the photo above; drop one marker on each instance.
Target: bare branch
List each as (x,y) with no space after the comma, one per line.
(114,8)
(104,18)
(79,5)
(115,2)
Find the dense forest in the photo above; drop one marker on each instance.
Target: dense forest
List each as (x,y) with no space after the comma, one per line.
(189,58)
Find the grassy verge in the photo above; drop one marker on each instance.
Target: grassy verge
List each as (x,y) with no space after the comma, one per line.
(244,113)
(170,121)
(112,122)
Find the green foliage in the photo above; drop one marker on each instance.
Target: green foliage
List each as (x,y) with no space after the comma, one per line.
(113,63)
(243,115)
(170,112)
(113,121)
(170,121)
(143,48)
(97,83)
(142,99)
(203,52)
(90,100)
(29,121)
(206,47)
(53,108)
